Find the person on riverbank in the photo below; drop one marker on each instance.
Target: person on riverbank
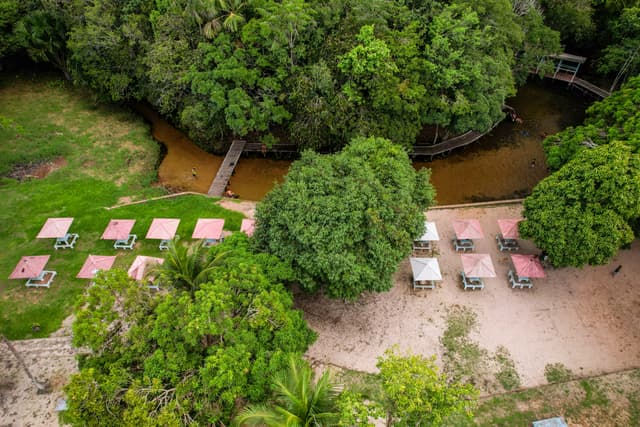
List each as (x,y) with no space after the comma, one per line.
(194,172)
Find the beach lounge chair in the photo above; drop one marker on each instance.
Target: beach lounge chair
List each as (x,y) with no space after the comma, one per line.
(506,244)
(519,282)
(127,243)
(471,282)
(66,242)
(463,245)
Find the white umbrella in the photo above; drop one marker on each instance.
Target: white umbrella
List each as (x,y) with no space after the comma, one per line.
(430,232)
(425,269)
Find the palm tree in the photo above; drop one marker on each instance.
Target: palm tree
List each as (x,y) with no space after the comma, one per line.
(188,266)
(299,402)
(215,15)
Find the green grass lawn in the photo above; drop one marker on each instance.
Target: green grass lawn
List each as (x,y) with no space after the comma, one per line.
(108,154)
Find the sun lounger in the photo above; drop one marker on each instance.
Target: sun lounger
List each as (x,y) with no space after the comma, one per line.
(463,245)
(519,282)
(471,282)
(126,243)
(506,244)
(66,242)
(43,280)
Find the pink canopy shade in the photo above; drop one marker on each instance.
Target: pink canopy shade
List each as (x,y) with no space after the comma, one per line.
(141,264)
(248,226)
(29,267)
(527,266)
(208,228)
(477,265)
(163,228)
(118,229)
(54,228)
(468,229)
(94,263)
(509,228)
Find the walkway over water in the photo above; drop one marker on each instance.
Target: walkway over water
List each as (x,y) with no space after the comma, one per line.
(566,70)
(221,180)
(418,150)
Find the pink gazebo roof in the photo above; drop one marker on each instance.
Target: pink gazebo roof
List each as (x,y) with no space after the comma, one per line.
(528,266)
(208,228)
(54,228)
(118,229)
(248,226)
(29,267)
(468,229)
(477,265)
(95,263)
(509,228)
(140,264)
(163,228)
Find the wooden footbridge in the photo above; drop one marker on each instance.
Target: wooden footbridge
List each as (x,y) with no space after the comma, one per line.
(566,70)
(225,171)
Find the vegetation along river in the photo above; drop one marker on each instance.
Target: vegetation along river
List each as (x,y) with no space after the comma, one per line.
(504,164)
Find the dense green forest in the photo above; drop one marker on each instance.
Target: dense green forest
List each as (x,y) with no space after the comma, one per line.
(315,73)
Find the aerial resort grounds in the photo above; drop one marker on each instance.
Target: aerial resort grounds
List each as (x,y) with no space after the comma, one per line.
(568,346)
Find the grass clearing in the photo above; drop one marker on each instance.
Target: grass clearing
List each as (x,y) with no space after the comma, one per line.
(464,360)
(557,373)
(109,155)
(611,400)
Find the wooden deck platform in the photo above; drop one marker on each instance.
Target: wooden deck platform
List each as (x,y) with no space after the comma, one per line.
(581,83)
(226,169)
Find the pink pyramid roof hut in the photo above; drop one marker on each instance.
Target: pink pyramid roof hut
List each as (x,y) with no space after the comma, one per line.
(528,266)
(468,229)
(248,226)
(163,228)
(208,228)
(509,228)
(118,229)
(140,264)
(29,267)
(477,265)
(54,228)
(94,263)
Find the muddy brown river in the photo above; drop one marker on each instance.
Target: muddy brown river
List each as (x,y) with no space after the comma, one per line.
(505,163)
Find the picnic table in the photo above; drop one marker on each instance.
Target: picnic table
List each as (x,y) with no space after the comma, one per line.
(506,244)
(519,281)
(463,245)
(471,282)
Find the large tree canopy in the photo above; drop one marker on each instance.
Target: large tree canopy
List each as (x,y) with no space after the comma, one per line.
(616,118)
(582,213)
(175,357)
(344,221)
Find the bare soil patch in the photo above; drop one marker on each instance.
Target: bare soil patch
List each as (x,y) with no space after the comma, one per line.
(36,170)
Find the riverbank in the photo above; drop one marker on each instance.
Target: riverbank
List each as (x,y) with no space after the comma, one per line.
(506,163)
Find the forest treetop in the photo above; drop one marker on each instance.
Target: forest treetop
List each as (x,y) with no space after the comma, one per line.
(315,73)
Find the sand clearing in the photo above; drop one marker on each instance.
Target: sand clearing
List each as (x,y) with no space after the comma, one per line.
(584,318)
